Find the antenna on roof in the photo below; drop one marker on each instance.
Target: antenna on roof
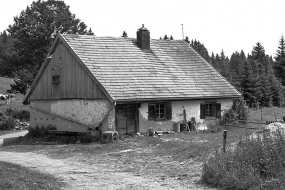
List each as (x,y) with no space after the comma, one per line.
(182,32)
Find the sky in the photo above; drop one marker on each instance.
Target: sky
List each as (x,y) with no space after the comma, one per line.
(228,25)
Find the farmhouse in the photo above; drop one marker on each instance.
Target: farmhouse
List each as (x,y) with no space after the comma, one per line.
(125,84)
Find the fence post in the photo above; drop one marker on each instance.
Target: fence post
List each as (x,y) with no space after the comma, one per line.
(224,141)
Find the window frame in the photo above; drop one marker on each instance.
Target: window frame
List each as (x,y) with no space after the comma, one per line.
(209,110)
(155,107)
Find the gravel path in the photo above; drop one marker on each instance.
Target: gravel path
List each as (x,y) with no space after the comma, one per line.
(18,134)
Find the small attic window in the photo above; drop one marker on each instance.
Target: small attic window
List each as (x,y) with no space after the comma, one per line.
(55,79)
(55,74)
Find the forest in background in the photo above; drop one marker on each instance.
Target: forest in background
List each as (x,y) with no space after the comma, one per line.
(259,77)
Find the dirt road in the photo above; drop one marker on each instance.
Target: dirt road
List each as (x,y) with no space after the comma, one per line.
(82,176)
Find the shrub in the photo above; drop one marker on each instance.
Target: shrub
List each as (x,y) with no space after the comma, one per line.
(22,115)
(253,164)
(37,131)
(7,123)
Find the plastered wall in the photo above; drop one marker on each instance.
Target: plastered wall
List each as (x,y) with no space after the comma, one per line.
(192,109)
(87,112)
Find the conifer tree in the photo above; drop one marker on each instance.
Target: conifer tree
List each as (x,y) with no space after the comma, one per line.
(187,40)
(247,84)
(266,95)
(280,61)
(165,37)
(200,48)
(124,35)
(4,37)
(171,38)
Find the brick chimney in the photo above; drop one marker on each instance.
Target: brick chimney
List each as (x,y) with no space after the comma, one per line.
(143,38)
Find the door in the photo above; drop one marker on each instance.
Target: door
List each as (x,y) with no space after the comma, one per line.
(126,118)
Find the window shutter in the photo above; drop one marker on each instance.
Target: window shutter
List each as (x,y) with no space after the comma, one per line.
(202,111)
(168,111)
(218,110)
(151,111)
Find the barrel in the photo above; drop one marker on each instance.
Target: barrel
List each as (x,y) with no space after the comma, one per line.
(177,127)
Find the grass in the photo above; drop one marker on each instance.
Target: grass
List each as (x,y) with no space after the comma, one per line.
(17,102)
(268,114)
(17,177)
(5,84)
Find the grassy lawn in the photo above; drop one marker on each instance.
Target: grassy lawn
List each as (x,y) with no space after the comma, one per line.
(17,177)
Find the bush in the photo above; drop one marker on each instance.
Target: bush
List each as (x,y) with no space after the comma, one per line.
(7,123)
(37,131)
(253,164)
(22,115)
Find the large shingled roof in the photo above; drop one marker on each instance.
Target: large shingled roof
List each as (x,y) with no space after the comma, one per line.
(169,70)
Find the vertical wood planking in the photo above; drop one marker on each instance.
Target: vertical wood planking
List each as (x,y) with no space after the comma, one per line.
(75,82)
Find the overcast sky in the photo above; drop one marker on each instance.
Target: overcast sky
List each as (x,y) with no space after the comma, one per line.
(231,25)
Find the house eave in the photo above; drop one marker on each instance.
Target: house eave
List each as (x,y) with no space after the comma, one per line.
(124,101)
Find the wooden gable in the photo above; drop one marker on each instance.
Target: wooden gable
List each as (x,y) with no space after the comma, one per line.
(63,77)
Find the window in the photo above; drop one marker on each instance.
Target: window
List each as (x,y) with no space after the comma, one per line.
(210,110)
(159,111)
(55,79)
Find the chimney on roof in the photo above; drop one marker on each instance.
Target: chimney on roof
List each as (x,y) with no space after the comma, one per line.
(143,38)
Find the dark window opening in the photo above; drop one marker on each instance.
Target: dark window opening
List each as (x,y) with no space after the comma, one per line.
(159,111)
(210,110)
(56,79)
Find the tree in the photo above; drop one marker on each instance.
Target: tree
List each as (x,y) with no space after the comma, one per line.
(200,48)
(279,66)
(125,35)
(248,86)
(171,38)
(165,37)
(258,52)
(34,30)
(4,37)
(281,49)
(187,40)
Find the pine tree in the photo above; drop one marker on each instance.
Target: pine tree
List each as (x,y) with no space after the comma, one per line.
(125,35)
(4,37)
(187,40)
(200,48)
(171,38)
(281,49)
(165,37)
(258,52)
(247,84)
(279,66)
(266,95)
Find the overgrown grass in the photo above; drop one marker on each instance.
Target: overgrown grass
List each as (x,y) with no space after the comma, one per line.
(17,177)
(253,164)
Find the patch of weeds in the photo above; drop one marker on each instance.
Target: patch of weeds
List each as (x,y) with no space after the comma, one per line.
(253,164)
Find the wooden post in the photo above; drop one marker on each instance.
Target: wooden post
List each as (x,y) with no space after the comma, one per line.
(185,121)
(224,141)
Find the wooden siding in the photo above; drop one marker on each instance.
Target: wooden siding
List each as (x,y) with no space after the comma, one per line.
(75,82)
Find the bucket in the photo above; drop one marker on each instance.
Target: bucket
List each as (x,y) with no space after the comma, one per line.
(177,127)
